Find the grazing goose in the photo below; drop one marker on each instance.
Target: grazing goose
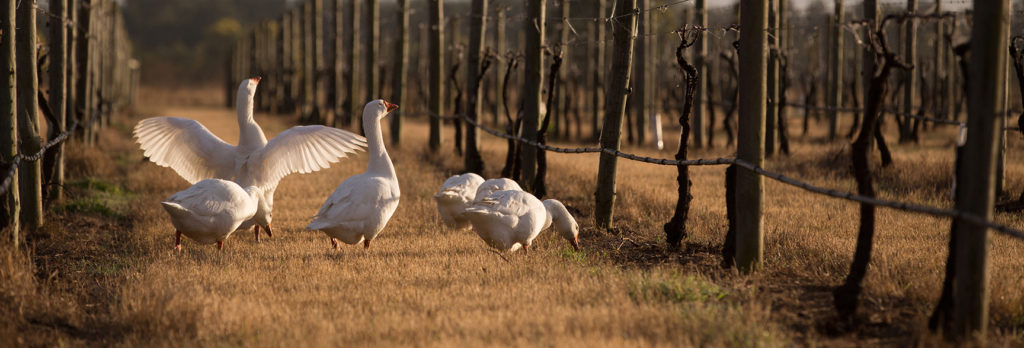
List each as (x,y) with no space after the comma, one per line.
(362,204)
(455,195)
(565,224)
(196,154)
(508,219)
(210,210)
(493,185)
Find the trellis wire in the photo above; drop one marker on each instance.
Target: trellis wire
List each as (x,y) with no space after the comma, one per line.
(11,172)
(910,207)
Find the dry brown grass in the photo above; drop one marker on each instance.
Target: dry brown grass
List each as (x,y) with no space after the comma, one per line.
(98,279)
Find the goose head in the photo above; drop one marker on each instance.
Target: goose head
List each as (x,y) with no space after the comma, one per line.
(565,224)
(264,204)
(246,93)
(376,110)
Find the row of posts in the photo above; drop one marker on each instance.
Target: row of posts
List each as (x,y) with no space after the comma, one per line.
(761,87)
(84,72)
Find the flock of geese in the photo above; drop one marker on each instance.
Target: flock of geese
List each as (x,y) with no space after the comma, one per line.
(233,185)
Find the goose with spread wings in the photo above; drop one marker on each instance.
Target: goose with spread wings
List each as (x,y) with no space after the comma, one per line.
(191,150)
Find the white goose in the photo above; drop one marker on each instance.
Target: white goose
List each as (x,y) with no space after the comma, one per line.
(493,185)
(454,197)
(210,210)
(196,154)
(362,204)
(507,220)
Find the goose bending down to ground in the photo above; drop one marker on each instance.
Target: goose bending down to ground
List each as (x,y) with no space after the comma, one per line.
(196,154)
(210,210)
(456,194)
(493,185)
(510,219)
(362,204)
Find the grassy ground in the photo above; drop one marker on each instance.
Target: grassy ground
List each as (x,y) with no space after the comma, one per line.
(102,271)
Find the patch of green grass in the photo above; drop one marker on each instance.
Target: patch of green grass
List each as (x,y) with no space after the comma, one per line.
(97,185)
(571,255)
(674,288)
(88,206)
(95,196)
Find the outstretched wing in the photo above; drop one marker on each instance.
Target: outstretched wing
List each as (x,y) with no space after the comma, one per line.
(187,147)
(302,149)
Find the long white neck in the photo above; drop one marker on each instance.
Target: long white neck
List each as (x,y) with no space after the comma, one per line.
(380,162)
(250,135)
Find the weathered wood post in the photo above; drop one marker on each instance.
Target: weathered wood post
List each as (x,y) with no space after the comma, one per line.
(617,92)
(560,109)
(599,88)
(9,122)
(309,62)
(1001,158)
(401,71)
(976,185)
(534,26)
(70,105)
(477,31)
(58,97)
(373,51)
(752,95)
(437,84)
(938,94)
(355,88)
(84,63)
(338,71)
(319,65)
(332,62)
(296,58)
(702,97)
(499,68)
(909,76)
(782,82)
(28,115)
(835,89)
(640,98)
(773,79)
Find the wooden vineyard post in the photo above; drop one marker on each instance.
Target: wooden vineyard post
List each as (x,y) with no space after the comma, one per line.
(599,79)
(295,56)
(639,98)
(703,92)
(28,115)
(782,82)
(337,64)
(976,185)
(534,26)
(401,71)
(355,87)
(58,97)
(373,52)
(308,63)
(616,93)
(909,76)
(9,122)
(752,93)
(560,108)
(835,89)
(499,44)
(477,31)
(71,104)
(436,72)
(773,79)
(319,65)
(83,62)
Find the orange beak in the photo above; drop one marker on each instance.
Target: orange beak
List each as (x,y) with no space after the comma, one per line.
(256,79)
(391,107)
(576,244)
